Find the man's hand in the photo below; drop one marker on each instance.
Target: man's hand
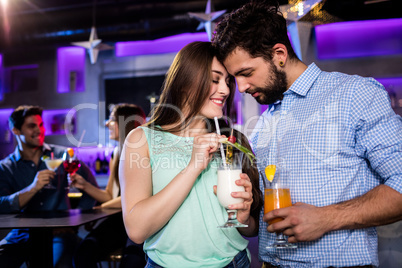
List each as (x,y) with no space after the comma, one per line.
(301,222)
(42,178)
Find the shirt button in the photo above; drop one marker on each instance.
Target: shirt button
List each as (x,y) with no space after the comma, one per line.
(277,259)
(32,164)
(41,203)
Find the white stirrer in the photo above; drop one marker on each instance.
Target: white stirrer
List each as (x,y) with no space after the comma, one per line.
(81,138)
(218,131)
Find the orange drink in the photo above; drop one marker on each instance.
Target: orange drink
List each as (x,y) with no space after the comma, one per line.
(276,198)
(277,195)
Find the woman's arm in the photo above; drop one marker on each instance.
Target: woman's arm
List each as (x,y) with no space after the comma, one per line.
(144,214)
(98,194)
(114,203)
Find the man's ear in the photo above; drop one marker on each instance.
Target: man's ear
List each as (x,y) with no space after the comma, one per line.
(16,131)
(280,55)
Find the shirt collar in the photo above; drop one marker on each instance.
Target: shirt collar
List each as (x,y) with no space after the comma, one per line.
(305,81)
(301,86)
(17,153)
(272,106)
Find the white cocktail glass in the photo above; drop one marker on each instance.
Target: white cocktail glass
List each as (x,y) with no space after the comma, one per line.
(52,164)
(228,173)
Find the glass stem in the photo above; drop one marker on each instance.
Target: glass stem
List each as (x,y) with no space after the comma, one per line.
(232,214)
(280,237)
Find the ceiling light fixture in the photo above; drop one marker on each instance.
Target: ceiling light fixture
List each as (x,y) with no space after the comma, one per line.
(93,45)
(207,19)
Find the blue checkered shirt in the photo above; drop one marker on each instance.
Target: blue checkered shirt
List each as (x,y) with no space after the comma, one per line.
(338,137)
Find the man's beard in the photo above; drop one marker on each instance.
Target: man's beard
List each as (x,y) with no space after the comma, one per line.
(274,91)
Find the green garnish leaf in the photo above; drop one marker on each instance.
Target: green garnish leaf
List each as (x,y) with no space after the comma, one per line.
(240,147)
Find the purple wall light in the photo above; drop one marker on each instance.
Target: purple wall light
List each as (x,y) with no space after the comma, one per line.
(1,77)
(163,45)
(70,69)
(395,82)
(57,122)
(359,38)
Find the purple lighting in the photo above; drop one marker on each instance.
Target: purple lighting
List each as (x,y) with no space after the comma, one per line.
(5,114)
(70,69)
(158,46)
(359,38)
(56,121)
(390,82)
(393,85)
(1,78)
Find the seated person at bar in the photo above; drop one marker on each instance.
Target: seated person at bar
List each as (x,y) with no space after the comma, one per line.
(110,234)
(23,188)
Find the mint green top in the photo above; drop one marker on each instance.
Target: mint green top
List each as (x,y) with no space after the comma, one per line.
(191,238)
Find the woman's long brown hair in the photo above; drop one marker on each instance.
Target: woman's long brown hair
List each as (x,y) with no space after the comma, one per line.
(186,87)
(187,84)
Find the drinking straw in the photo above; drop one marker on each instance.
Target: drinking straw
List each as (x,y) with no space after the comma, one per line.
(52,155)
(81,138)
(218,131)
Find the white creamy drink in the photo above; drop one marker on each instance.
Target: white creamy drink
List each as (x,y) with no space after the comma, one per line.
(226,185)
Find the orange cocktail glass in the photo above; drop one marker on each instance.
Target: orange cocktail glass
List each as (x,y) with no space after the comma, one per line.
(276,198)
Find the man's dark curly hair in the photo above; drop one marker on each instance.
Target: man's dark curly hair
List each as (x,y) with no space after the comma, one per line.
(255,27)
(17,117)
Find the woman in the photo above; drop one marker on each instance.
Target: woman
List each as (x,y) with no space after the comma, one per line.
(166,176)
(110,234)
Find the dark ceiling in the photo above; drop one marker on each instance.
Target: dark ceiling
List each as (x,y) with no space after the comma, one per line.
(59,22)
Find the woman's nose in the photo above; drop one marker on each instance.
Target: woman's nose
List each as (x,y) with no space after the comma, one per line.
(224,89)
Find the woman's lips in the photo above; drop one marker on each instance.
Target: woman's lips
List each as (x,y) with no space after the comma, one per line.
(218,101)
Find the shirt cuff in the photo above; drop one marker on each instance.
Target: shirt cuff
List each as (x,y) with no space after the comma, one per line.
(14,201)
(395,183)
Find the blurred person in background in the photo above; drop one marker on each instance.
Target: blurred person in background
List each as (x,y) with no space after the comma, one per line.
(110,235)
(23,176)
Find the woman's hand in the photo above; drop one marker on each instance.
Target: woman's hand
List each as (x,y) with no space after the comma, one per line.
(78,181)
(203,148)
(243,209)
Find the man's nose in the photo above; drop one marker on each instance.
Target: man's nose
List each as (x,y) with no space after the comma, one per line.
(242,85)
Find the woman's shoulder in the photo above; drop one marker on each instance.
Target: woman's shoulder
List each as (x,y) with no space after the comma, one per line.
(136,137)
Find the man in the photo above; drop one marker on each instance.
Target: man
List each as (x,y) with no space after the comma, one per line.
(334,133)
(23,176)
